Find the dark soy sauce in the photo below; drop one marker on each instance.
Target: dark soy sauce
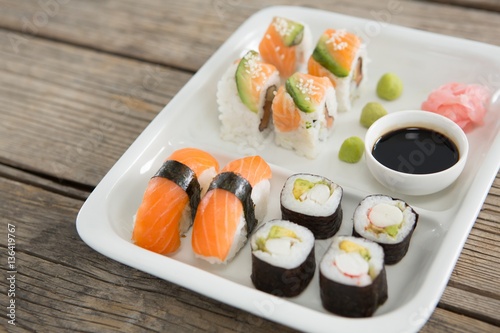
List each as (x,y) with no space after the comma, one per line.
(415,150)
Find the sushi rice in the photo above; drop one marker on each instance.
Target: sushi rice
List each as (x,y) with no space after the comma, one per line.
(238,123)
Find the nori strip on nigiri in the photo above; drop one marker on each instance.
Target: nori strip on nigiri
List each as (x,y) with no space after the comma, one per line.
(242,189)
(183,176)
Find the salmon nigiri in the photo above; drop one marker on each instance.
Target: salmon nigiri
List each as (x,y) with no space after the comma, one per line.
(340,56)
(284,45)
(304,111)
(231,209)
(171,200)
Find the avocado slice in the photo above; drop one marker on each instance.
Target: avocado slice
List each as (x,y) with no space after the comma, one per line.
(261,244)
(325,59)
(349,246)
(291,32)
(276,231)
(243,78)
(392,230)
(301,186)
(298,89)
(279,232)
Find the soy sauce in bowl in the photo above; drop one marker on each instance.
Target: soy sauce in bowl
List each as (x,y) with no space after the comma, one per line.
(416,150)
(426,151)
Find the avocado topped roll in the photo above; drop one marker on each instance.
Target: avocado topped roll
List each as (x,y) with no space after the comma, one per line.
(283,261)
(304,111)
(352,277)
(340,56)
(285,44)
(244,95)
(313,202)
(387,221)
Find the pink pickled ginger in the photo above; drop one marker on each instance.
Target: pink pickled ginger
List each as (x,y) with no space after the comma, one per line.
(465,104)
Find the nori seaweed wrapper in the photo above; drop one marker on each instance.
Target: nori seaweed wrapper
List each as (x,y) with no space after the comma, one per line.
(353,301)
(396,251)
(283,282)
(183,176)
(322,227)
(242,189)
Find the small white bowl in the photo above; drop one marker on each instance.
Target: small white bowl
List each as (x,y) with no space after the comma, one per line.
(415,184)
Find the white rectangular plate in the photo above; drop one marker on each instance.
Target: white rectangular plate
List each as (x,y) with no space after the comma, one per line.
(424,61)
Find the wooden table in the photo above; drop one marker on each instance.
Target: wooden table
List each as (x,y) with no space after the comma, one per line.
(79,82)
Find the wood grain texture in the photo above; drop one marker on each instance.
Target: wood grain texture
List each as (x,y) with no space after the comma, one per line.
(75,111)
(492,5)
(83,83)
(444,321)
(184,34)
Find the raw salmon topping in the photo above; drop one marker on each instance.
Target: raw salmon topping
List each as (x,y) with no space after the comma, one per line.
(216,224)
(252,168)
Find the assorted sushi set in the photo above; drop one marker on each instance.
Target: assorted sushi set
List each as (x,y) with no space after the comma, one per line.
(226,208)
(292,91)
(289,90)
(307,243)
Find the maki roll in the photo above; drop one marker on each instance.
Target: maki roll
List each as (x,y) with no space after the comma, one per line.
(352,277)
(283,260)
(313,202)
(340,56)
(171,199)
(304,111)
(387,221)
(244,96)
(226,215)
(285,44)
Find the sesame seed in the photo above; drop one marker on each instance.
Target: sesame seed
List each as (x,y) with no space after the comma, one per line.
(252,65)
(337,39)
(307,87)
(340,46)
(282,27)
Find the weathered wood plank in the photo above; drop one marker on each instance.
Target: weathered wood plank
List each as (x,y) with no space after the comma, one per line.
(56,84)
(63,285)
(46,182)
(444,321)
(492,5)
(75,111)
(185,33)
(465,302)
(478,266)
